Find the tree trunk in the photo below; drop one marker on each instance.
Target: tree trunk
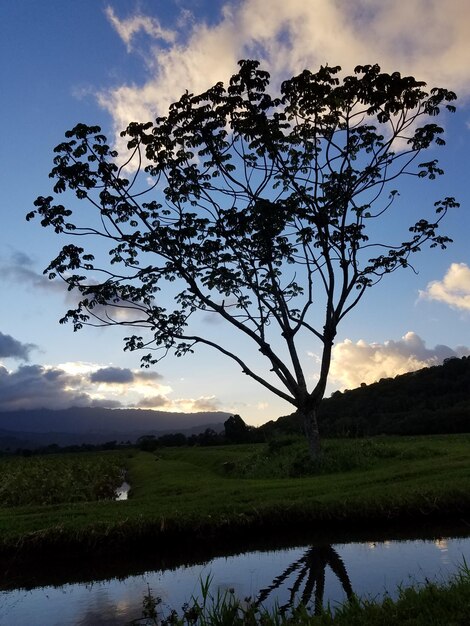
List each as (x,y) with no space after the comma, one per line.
(310,425)
(309,403)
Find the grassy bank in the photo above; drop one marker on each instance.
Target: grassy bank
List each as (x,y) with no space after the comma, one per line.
(208,492)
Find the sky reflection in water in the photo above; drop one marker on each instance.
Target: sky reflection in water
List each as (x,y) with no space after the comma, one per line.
(372,568)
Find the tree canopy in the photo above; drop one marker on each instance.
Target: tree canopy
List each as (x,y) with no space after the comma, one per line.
(258,208)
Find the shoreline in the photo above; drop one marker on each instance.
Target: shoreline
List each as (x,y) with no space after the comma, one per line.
(58,559)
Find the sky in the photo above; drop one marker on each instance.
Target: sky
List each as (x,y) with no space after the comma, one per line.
(113,62)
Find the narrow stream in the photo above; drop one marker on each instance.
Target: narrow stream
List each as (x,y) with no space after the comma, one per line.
(369,569)
(122,492)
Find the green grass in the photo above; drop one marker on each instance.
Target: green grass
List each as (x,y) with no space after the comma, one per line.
(182,491)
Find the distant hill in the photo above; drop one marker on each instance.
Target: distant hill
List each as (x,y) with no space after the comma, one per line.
(77,425)
(429,401)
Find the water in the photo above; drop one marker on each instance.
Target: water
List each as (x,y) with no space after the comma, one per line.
(122,492)
(370,568)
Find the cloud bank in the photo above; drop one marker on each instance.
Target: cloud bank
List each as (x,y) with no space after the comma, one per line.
(362,362)
(426,38)
(91,385)
(37,386)
(453,289)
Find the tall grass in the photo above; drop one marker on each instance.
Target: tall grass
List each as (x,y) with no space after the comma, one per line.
(57,479)
(288,457)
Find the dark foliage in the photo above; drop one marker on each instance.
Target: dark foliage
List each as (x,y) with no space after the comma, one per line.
(236,431)
(434,400)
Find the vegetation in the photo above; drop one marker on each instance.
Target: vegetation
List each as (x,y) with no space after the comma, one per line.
(210,493)
(58,479)
(208,437)
(258,202)
(430,401)
(430,605)
(288,457)
(433,400)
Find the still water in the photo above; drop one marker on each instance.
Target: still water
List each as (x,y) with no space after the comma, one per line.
(367,569)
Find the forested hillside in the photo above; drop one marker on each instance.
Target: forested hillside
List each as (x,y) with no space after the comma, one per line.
(431,400)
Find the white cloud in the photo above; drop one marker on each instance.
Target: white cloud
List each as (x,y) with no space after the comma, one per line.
(426,38)
(362,362)
(453,289)
(128,28)
(121,385)
(184,405)
(154,402)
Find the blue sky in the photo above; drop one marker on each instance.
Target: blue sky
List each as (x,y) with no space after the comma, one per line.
(110,63)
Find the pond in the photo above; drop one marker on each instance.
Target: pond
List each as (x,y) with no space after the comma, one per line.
(367,568)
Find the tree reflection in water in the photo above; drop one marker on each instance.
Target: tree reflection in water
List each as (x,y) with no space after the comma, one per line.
(309,573)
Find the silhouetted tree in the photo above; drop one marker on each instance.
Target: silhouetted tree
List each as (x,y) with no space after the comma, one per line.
(209,438)
(147,443)
(236,431)
(172,439)
(260,212)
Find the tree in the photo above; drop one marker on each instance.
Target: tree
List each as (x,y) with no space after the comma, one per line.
(236,431)
(259,211)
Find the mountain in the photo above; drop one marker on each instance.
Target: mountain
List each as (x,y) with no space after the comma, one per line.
(428,401)
(77,425)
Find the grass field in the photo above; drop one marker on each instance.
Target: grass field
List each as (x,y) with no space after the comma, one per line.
(216,490)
